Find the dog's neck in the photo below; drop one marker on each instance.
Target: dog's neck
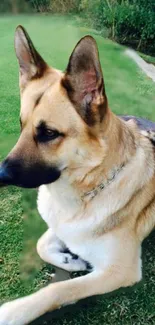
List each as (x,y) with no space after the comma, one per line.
(105,182)
(118,142)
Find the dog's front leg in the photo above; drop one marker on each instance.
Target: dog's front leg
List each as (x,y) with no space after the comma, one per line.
(24,310)
(52,250)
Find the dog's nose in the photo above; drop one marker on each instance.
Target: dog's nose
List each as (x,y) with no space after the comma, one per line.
(26,174)
(5,175)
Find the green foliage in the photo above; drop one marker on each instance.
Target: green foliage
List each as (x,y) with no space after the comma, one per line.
(39,5)
(13,6)
(55,6)
(64,6)
(130,22)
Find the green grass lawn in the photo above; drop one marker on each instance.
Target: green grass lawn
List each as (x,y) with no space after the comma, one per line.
(129,92)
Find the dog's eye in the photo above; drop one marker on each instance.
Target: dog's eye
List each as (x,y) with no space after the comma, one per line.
(52,134)
(45,134)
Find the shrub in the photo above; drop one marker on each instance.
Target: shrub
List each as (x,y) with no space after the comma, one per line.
(130,22)
(13,6)
(55,6)
(39,5)
(64,6)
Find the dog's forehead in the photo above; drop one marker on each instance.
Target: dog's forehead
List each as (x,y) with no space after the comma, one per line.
(36,90)
(46,100)
(56,110)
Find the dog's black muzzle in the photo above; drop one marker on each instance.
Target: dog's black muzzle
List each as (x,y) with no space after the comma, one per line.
(16,172)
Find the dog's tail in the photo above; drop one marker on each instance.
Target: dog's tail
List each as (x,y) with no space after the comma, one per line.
(148,68)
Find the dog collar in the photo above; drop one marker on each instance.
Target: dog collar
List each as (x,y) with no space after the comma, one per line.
(112,175)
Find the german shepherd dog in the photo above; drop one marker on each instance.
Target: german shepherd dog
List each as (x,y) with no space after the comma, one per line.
(96,177)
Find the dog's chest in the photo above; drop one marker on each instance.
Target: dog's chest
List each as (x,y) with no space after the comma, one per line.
(63,212)
(58,205)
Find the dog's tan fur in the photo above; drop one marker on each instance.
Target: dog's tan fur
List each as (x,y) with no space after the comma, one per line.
(107,230)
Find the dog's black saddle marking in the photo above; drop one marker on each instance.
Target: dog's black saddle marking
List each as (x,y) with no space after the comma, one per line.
(143,124)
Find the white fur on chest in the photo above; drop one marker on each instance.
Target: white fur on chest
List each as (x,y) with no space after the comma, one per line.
(58,203)
(57,206)
(60,207)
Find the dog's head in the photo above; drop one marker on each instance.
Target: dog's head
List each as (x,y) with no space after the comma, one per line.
(61,115)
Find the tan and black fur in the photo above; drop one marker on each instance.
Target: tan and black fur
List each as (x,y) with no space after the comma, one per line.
(70,145)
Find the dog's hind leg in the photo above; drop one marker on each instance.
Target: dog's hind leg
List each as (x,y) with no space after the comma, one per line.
(52,250)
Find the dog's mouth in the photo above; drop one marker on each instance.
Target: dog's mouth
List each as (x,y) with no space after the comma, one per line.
(15,172)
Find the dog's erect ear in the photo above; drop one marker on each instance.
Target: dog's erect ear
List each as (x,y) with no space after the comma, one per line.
(30,62)
(83,81)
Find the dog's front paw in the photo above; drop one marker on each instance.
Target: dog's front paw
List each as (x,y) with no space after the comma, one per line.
(11,314)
